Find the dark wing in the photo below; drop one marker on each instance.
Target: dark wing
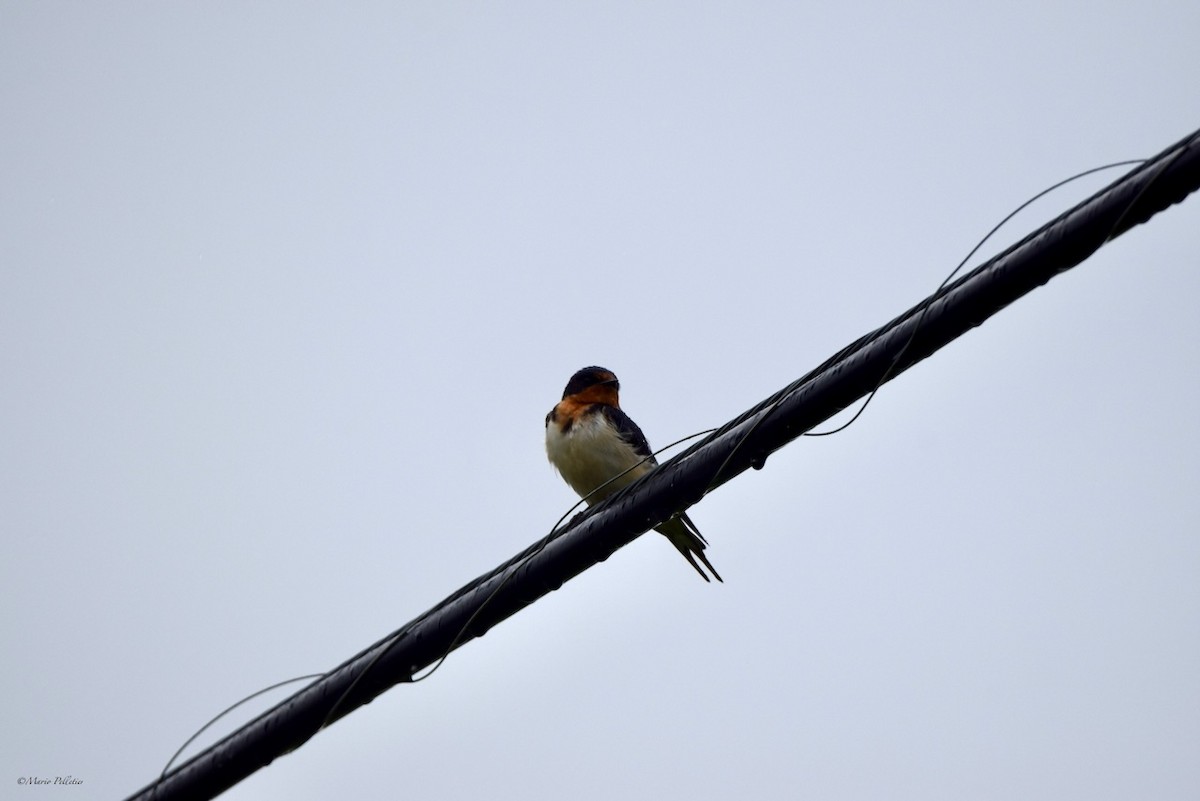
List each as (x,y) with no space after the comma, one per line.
(629,431)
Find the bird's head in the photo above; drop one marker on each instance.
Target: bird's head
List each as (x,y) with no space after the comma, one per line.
(594,385)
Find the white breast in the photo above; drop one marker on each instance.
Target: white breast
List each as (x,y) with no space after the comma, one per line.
(591,453)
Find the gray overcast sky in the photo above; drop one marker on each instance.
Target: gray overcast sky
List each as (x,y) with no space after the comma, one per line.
(287,289)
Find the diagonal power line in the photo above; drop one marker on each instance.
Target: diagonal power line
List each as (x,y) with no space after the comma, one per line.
(744,442)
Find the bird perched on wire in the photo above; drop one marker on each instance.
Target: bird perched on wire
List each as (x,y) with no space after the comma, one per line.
(593,443)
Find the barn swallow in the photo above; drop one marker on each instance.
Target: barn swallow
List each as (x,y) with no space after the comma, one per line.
(591,441)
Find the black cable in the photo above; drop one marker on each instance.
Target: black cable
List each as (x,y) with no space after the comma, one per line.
(740,444)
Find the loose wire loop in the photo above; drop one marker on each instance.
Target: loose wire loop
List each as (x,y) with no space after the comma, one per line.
(761,412)
(768,408)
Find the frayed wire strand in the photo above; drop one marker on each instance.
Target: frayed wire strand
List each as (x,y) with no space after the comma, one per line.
(784,395)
